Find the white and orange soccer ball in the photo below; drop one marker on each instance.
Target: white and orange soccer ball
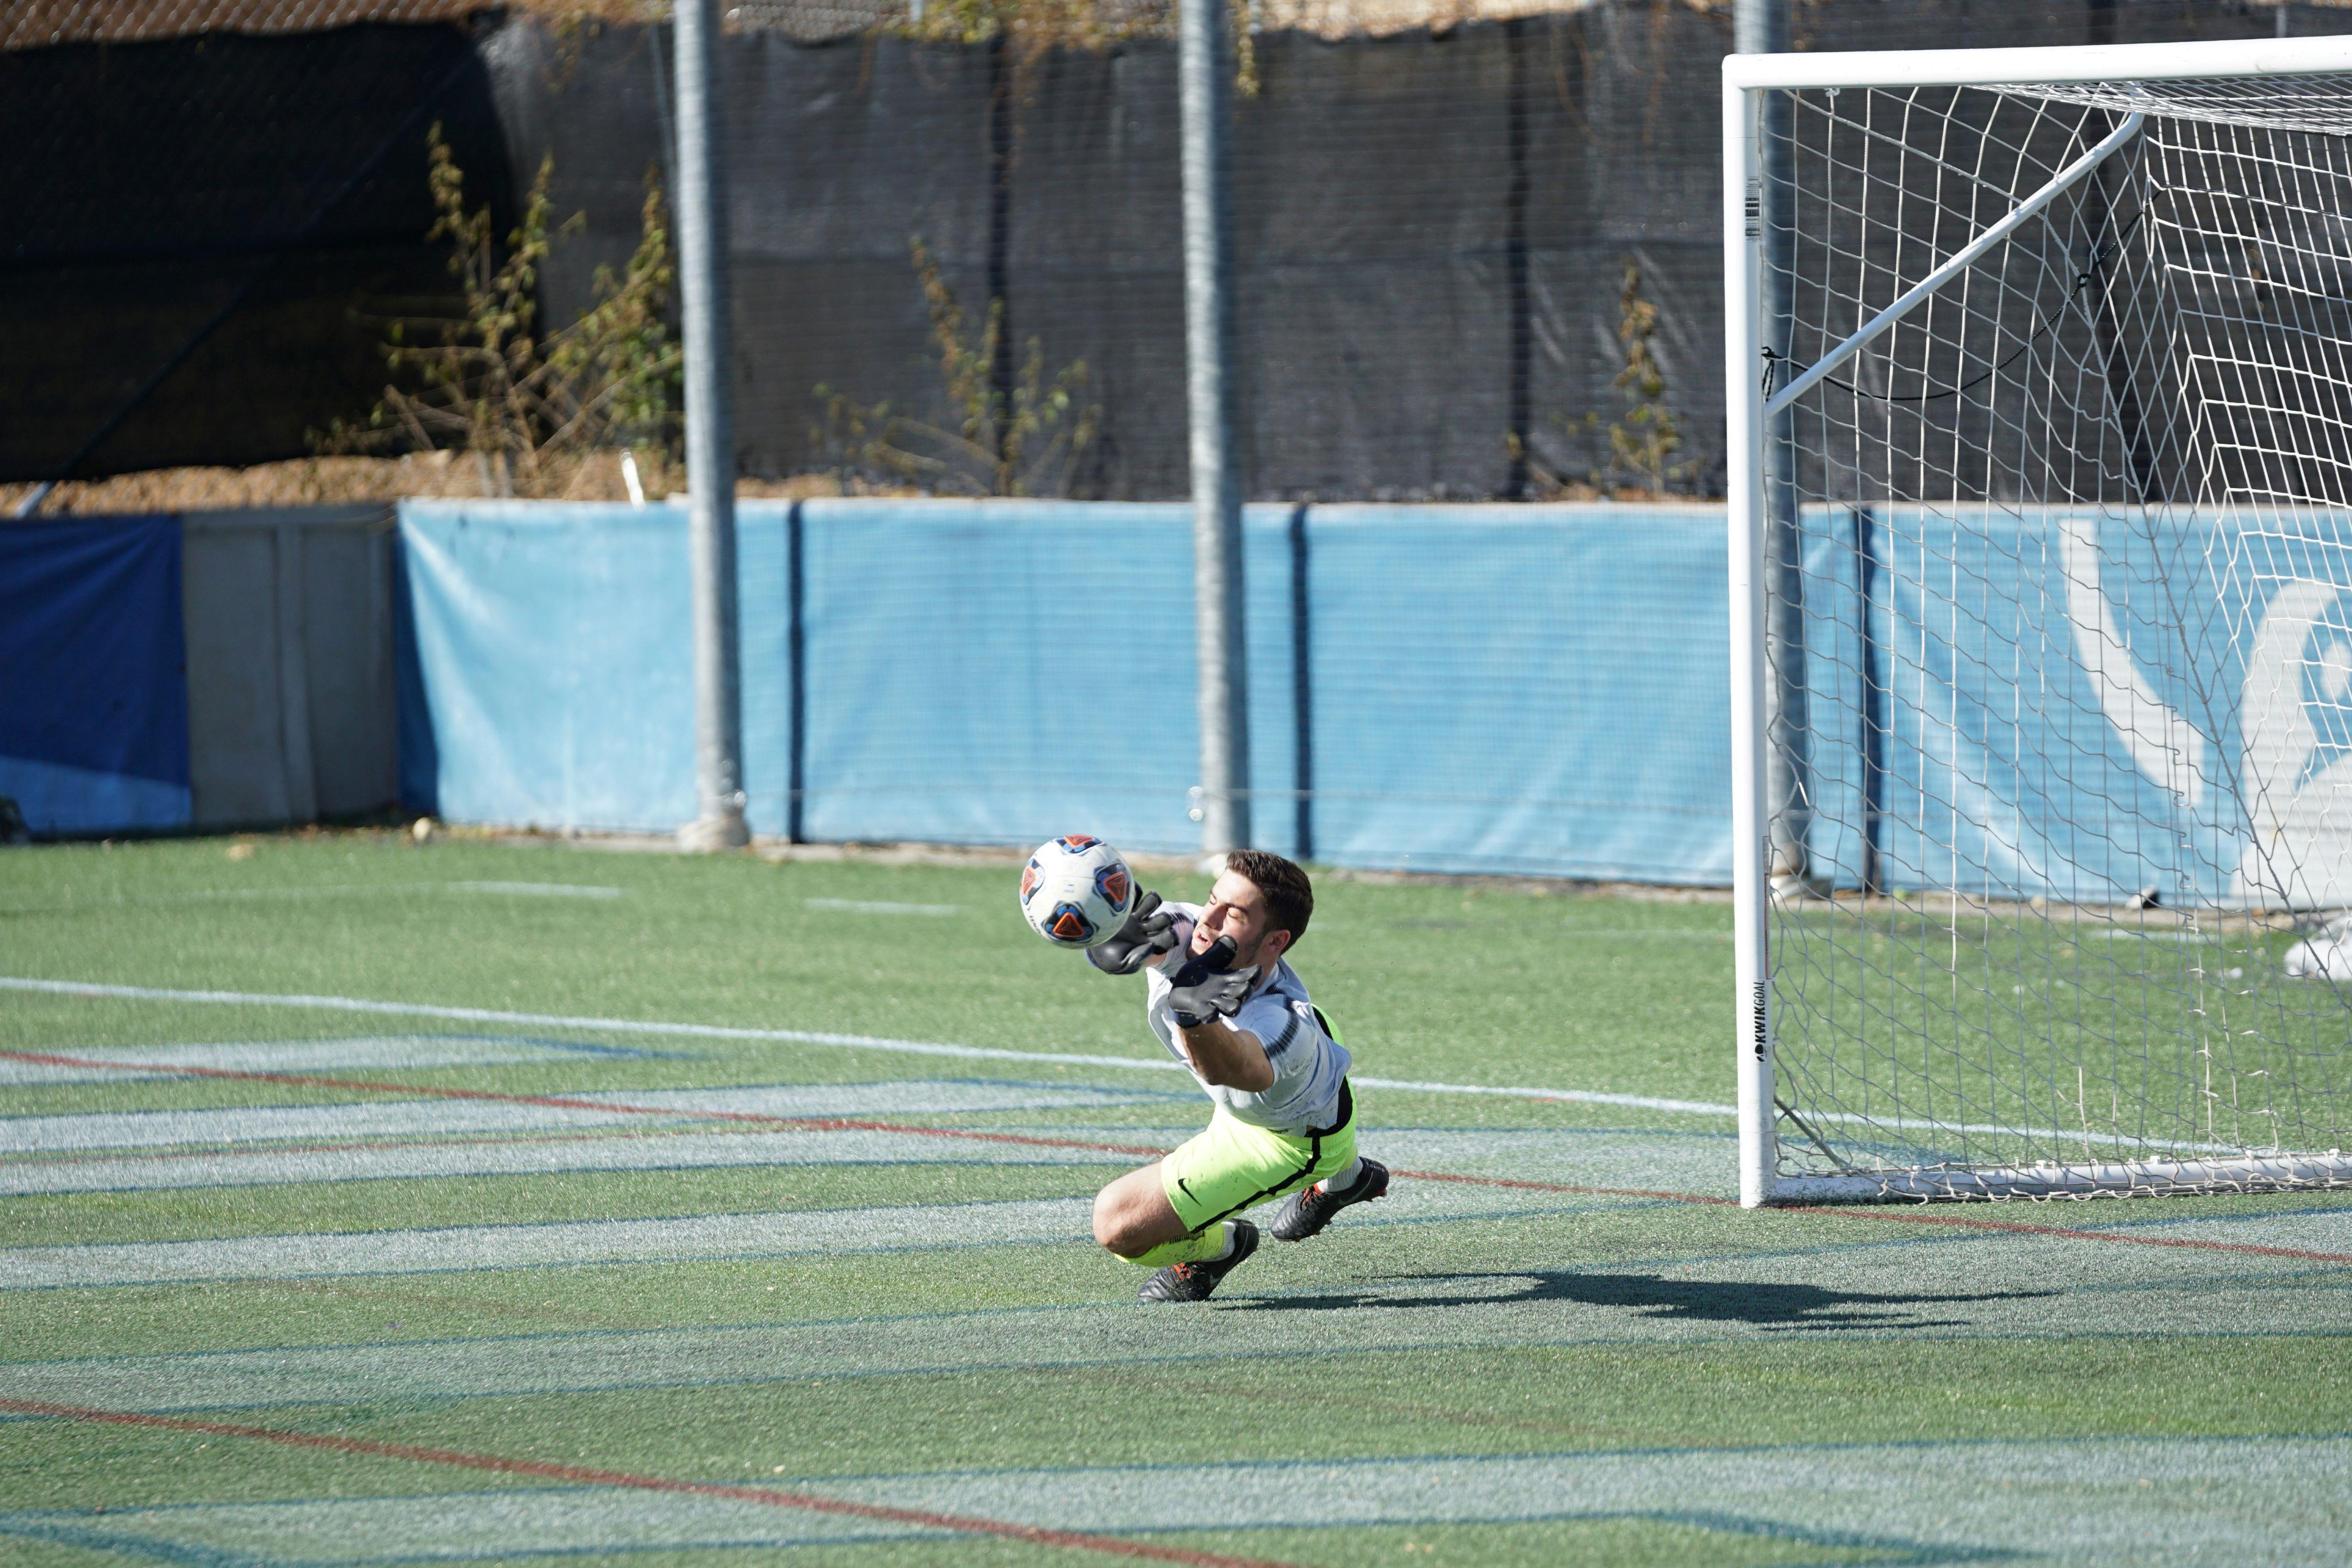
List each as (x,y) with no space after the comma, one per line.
(1076,891)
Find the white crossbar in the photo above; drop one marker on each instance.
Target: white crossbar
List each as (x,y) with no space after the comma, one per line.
(1957,263)
(2195,61)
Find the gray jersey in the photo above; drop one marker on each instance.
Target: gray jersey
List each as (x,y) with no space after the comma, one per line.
(1309,1065)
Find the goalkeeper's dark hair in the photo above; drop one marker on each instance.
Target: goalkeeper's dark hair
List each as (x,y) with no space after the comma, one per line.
(1289,896)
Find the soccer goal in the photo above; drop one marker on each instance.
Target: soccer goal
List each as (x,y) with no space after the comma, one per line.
(2040,397)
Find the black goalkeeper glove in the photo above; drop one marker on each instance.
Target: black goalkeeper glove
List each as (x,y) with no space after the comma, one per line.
(1206,989)
(1149,932)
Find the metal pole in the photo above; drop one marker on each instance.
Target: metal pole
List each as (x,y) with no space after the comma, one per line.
(1205,89)
(709,437)
(1761,28)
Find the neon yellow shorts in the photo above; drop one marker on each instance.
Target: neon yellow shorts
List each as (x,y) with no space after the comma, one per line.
(1231,1166)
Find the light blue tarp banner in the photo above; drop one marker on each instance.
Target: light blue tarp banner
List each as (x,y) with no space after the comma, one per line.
(1522,688)
(93,675)
(553,659)
(1534,689)
(998,672)
(2081,704)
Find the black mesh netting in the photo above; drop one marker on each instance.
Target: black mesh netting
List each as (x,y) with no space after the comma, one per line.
(1453,237)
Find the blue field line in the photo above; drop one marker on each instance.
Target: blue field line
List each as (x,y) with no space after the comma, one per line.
(1908,1552)
(1364,1222)
(89,1540)
(1121,1305)
(574,1175)
(2290,1268)
(538,1224)
(1163,1063)
(1171,1135)
(565,1047)
(213,1557)
(2164,1221)
(581,1048)
(1215,1358)
(959,1368)
(1644,1451)
(1074,1238)
(1370,1127)
(50,1526)
(1112,1090)
(1115,1093)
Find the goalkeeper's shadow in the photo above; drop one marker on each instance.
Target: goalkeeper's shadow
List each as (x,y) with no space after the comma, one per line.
(1762,1304)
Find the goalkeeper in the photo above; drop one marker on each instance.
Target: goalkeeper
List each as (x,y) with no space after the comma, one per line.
(1224,1001)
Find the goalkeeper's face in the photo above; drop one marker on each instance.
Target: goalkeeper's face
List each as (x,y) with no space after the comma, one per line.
(1236,909)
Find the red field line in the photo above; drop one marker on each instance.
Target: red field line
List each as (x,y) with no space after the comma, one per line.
(567,1102)
(617,1135)
(774,1497)
(1905,1215)
(1557,1187)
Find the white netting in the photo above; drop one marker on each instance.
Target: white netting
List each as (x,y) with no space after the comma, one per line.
(2063,680)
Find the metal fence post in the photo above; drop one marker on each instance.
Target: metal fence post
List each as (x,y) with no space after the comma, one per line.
(1206,90)
(709,437)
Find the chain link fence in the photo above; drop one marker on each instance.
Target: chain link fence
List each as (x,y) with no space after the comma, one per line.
(1476,242)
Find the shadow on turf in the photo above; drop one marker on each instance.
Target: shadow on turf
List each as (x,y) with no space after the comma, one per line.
(1770,1306)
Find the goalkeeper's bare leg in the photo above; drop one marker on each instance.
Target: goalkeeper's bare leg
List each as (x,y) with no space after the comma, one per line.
(1134,1220)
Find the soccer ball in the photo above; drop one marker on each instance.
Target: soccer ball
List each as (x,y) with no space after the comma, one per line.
(1076,891)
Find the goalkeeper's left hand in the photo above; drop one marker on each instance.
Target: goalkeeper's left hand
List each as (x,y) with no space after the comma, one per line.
(1206,989)
(1149,932)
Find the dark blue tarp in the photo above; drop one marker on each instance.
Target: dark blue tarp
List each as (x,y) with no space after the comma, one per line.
(93,678)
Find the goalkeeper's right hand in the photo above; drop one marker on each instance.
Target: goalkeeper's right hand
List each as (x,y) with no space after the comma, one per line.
(1149,932)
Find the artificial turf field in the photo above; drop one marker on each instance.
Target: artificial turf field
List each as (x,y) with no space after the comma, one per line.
(427,1284)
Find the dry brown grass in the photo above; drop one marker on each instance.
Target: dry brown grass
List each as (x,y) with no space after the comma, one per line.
(316,481)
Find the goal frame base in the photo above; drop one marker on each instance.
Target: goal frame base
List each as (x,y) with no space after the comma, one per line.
(2136,1178)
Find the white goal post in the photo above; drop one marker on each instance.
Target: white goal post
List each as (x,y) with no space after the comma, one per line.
(2039,387)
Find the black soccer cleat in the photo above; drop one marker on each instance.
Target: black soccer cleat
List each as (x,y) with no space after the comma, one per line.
(1193,1281)
(1311,1210)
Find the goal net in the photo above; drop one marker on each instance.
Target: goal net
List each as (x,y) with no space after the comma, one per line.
(2041,542)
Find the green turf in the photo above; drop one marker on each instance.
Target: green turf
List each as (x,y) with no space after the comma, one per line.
(1604,1336)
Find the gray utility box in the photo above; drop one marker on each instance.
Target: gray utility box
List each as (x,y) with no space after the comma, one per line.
(291,714)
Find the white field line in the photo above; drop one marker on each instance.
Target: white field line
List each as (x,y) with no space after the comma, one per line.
(93,1130)
(702,1146)
(2251,1501)
(1963,1284)
(996,1053)
(879,906)
(394,1052)
(1687,1161)
(682,1238)
(2243,1501)
(473,1248)
(792,1037)
(451,1527)
(330,890)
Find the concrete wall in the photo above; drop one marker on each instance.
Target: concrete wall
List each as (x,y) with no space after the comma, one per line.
(291,716)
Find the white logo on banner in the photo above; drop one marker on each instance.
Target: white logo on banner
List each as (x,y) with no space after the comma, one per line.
(2162,743)
(2295,766)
